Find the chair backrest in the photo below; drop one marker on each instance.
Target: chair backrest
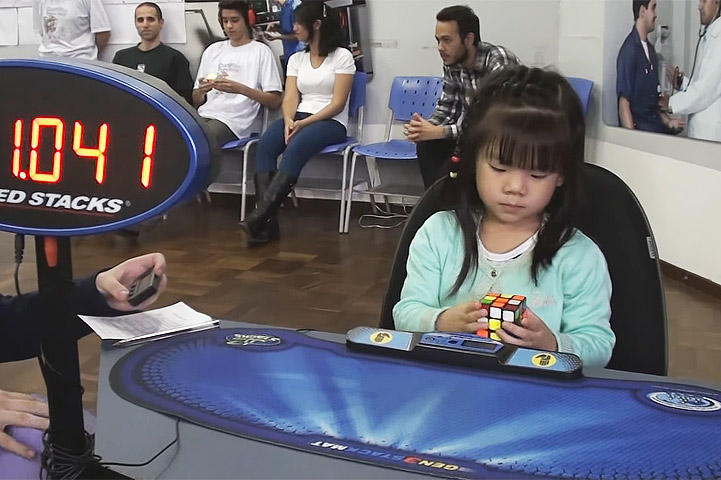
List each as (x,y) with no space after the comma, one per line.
(583,88)
(613,218)
(411,95)
(357,94)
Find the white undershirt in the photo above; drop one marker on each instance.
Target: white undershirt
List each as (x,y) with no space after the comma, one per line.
(645,49)
(499,258)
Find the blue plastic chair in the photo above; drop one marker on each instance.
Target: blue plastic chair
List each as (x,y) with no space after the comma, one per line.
(242,144)
(583,88)
(409,95)
(356,104)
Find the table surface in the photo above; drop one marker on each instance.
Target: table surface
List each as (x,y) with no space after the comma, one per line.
(128,433)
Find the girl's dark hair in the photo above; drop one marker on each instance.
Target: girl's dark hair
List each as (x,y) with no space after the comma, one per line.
(527,118)
(308,13)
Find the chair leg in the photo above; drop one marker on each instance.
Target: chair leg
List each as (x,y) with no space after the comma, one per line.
(294,198)
(349,199)
(341,215)
(244,182)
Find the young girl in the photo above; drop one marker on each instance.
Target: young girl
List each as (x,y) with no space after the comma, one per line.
(515,193)
(315,115)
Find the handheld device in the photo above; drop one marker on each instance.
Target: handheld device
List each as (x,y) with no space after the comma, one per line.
(144,287)
(466,350)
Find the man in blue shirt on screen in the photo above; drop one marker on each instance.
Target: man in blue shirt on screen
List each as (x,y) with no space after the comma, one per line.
(637,85)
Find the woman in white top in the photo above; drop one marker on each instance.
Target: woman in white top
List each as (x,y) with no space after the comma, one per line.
(315,115)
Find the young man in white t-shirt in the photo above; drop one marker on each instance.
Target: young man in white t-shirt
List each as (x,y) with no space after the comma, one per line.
(71,28)
(235,77)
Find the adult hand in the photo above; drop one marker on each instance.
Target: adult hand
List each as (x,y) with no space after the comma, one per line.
(295,127)
(466,317)
(419,129)
(114,283)
(21,410)
(532,333)
(676,125)
(204,86)
(663,103)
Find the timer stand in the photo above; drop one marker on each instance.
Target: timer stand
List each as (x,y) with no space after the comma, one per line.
(67,447)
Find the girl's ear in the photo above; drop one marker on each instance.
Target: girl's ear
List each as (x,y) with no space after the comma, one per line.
(559,181)
(316,25)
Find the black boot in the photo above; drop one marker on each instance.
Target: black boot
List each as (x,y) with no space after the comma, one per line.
(271,231)
(257,224)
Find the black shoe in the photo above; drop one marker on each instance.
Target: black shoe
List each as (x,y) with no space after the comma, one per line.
(261,225)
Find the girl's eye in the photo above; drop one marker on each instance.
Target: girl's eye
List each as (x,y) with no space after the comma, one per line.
(539,176)
(496,168)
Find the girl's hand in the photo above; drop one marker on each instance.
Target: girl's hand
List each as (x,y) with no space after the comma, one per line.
(466,317)
(533,333)
(289,124)
(297,126)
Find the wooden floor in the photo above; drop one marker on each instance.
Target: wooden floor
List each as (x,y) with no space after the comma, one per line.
(313,278)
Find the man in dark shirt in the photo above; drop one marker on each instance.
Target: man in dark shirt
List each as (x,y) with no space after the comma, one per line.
(466,60)
(153,57)
(637,77)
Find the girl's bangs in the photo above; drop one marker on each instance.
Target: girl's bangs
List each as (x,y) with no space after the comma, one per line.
(526,138)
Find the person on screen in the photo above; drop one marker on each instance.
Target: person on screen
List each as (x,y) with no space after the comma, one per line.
(152,56)
(71,28)
(637,77)
(700,95)
(22,326)
(514,192)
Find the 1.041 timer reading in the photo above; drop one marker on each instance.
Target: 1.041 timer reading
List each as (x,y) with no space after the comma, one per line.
(55,125)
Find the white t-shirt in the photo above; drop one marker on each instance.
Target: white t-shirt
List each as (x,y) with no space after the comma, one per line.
(68,27)
(316,84)
(253,65)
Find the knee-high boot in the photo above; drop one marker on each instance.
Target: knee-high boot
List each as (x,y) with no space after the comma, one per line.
(260,225)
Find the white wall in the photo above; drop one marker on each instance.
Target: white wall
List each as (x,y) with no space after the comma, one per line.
(680,198)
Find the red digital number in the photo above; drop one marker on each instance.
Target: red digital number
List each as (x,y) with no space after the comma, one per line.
(98,153)
(146,172)
(59,126)
(17,142)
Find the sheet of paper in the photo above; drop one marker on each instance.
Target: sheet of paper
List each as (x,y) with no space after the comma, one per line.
(162,320)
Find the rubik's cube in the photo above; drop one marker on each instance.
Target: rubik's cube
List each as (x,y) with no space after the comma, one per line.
(501,307)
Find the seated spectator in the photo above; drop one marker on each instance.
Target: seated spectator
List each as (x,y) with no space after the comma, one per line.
(315,115)
(235,77)
(152,56)
(71,28)
(466,62)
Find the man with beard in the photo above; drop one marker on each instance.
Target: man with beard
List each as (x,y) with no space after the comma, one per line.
(466,60)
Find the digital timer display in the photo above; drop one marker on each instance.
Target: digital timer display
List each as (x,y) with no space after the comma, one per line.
(86,148)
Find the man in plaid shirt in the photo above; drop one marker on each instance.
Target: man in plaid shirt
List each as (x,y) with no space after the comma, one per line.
(466,60)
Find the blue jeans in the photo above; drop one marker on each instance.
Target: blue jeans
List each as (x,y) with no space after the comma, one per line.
(304,144)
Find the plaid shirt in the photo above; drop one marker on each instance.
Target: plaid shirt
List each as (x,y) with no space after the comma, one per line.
(459,85)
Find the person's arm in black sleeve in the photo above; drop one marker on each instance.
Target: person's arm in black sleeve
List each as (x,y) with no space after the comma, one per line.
(182,81)
(24,319)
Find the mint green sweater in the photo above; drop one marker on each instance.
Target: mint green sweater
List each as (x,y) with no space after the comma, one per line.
(572,297)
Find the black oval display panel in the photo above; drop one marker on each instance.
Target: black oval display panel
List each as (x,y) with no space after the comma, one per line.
(86,149)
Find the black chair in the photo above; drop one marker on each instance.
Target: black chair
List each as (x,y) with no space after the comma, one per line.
(611,216)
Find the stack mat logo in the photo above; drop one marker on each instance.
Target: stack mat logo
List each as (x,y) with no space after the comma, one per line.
(380,453)
(246,340)
(61,201)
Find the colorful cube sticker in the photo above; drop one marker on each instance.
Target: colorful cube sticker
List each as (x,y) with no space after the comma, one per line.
(502,307)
